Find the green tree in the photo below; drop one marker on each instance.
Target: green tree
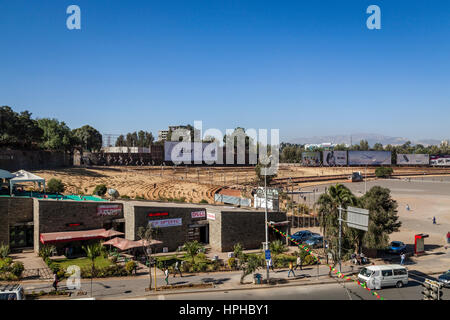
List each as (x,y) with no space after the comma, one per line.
(192,249)
(88,137)
(146,235)
(277,247)
(93,251)
(56,135)
(100,190)
(249,264)
(55,186)
(383,218)
(18,129)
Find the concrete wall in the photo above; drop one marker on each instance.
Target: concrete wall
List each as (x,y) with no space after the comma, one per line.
(54,215)
(245,227)
(172,237)
(13,160)
(14,211)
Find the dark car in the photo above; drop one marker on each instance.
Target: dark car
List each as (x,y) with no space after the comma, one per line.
(397,247)
(315,241)
(301,236)
(445,279)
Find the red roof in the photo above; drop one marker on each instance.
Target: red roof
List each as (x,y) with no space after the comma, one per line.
(72,236)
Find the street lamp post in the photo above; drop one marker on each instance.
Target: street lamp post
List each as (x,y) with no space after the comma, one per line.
(267,227)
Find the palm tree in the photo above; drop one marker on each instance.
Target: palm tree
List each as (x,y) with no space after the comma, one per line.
(329,203)
(93,251)
(249,265)
(192,249)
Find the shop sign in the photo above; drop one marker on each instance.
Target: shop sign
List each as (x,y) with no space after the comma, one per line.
(166,223)
(198,214)
(211,216)
(158,214)
(109,210)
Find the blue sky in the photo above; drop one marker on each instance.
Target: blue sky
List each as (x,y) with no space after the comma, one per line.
(305,67)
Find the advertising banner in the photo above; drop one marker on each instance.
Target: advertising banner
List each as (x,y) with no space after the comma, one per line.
(166,223)
(334,158)
(189,152)
(369,158)
(198,214)
(440,160)
(413,159)
(311,158)
(211,216)
(109,210)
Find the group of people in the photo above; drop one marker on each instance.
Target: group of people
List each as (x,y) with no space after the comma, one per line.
(358,258)
(299,264)
(176,269)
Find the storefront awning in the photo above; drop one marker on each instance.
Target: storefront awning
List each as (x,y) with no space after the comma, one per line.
(125,244)
(72,236)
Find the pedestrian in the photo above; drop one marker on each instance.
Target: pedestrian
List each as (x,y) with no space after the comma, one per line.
(407,207)
(299,262)
(291,269)
(270,264)
(177,269)
(166,274)
(434,220)
(402,258)
(448,237)
(55,280)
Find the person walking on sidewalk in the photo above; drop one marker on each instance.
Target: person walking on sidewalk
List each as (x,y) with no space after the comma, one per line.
(291,269)
(402,258)
(434,220)
(299,262)
(166,274)
(55,281)
(448,237)
(270,264)
(177,269)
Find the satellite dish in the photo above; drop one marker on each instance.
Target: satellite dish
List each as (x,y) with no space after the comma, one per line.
(113,193)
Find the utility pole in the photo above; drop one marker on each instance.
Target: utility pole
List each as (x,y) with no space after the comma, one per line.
(267,231)
(340,237)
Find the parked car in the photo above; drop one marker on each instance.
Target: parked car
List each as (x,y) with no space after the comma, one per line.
(445,279)
(397,247)
(315,241)
(301,236)
(12,292)
(380,276)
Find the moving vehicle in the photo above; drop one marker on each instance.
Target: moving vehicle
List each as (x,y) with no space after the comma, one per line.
(445,279)
(377,277)
(397,247)
(356,177)
(12,292)
(315,241)
(301,236)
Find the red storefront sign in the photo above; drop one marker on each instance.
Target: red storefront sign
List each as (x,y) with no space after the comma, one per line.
(158,214)
(198,214)
(109,210)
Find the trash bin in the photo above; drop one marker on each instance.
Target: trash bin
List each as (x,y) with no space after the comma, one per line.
(257,278)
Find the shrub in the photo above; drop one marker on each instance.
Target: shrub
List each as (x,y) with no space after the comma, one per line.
(383,172)
(46,251)
(17,269)
(309,259)
(4,251)
(202,266)
(130,266)
(277,247)
(203,201)
(4,264)
(55,186)
(232,263)
(124,196)
(100,190)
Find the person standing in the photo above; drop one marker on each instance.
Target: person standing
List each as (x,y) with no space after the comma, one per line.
(407,207)
(55,281)
(402,258)
(166,274)
(434,220)
(448,237)
(291,269)
(177,269)
(299,262)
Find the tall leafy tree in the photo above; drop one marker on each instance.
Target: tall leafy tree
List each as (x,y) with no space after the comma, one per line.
(56,135)
(88,137)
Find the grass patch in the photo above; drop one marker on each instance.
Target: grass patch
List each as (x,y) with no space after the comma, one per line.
(100,262)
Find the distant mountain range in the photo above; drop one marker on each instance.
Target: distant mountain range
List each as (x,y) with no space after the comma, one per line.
(371,138)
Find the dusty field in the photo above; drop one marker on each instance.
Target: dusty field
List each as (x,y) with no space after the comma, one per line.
(193,183)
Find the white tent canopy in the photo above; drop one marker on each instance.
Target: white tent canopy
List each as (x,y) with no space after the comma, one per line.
(5,174)
(25,176)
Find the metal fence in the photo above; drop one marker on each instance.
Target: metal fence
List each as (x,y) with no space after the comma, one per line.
(303,221)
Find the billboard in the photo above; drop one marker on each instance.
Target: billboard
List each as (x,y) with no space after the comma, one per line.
(440,160)
(369,158)
(334,158)
(189,152)
(311,158)
(412,159)
(166,223)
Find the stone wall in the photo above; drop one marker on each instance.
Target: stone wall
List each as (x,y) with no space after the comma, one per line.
(172,237)
(14,160)
(245,227)
(14,211)
(55,215)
